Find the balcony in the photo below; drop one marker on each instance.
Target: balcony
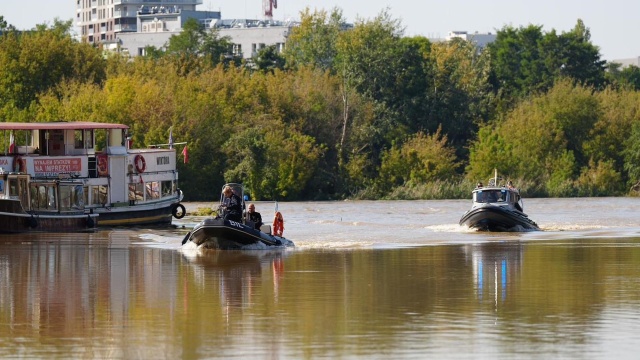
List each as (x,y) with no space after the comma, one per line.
(124,28)
(131,13)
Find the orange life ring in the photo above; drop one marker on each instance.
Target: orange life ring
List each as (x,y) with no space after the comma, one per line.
(19,164)
(278,224)
(140,163)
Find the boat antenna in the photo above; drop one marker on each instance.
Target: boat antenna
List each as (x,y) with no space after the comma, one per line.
(495,181)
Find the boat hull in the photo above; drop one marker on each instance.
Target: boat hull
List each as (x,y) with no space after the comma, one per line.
(217,233)
(15,220)
(497,218)
(135,215)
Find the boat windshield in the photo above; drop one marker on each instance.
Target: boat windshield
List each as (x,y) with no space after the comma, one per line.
(490,196)
(238,189)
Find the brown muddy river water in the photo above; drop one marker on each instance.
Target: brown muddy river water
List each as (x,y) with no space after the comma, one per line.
(367,279)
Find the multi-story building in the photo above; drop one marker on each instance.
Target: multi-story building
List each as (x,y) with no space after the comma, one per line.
(247,36)
(99,21)
(627,62)
(480,40)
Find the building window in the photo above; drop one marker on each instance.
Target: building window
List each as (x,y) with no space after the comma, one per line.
(237,49)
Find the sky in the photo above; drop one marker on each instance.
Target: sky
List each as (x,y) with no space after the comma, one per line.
(613,23)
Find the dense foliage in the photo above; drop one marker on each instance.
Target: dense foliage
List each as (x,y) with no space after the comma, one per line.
(354,110)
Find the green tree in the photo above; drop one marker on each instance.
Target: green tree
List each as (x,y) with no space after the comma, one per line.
(627,77)
(196,47)
(517,66)
(368,62)
(422,158)
(631,154)
(5,26)
(34,62)
(572,55)
(527,61)
(313,41)
(273,163)
(268,59)
(459,93)
(607,140)
(541,140)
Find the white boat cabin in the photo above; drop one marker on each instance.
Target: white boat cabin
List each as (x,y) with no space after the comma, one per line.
(497,196)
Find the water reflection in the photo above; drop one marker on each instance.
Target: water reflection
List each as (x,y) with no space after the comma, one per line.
(97,295)
(237,274)
(494,266)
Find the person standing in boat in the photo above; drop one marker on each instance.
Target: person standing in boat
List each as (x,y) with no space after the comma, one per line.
(278,224)
(232,205)
(255,217)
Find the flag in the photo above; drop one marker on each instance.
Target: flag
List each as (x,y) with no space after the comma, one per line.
(12,142)
(171,138)
(185,153)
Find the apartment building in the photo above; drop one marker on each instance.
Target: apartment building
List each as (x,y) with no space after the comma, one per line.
(248,36)
(99,21)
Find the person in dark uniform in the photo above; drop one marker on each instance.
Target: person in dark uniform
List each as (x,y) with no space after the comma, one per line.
(255,217)
(232,205)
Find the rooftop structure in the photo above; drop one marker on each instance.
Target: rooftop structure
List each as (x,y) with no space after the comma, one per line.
(627,62)
(481,40)
(99,21)
(247,35)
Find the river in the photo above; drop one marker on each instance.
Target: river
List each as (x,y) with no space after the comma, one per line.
(366,279)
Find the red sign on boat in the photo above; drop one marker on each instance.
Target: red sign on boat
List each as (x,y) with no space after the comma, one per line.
(54,167)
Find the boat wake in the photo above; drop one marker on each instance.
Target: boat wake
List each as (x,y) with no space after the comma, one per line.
(450,228)
(573,227)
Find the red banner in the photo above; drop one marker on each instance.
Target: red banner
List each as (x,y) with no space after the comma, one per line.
(54,167)
(103,165)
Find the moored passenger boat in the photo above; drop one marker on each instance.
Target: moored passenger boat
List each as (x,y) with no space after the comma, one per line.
(74,176)
(497,207)
(30,205)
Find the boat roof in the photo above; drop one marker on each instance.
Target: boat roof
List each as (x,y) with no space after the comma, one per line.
(495,188)
(61,125)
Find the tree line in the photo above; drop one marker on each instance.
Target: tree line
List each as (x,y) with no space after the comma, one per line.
(349,110)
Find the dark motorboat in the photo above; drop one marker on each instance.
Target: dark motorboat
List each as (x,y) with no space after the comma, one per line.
(497,208)
(224,234)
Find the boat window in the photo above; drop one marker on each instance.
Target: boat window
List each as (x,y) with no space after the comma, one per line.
(71,197)
(135,192)
(491,196)
(43,197)
(88,139)
(152,190)
(23,190)
(167,188)
(34,196)
(13,187)
(52,198)
(83,139)
(77,137)
(99,195)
